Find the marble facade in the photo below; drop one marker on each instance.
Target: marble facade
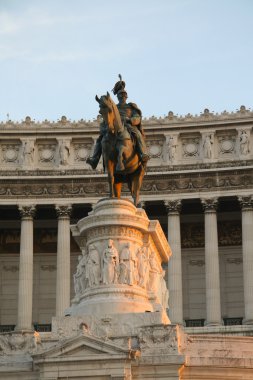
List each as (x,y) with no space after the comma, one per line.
(199,186)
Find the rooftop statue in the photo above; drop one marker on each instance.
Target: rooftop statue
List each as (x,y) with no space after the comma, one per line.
(121,143)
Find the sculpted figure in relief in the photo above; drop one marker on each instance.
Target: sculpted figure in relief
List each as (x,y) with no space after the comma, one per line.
(163,293)
(143,265)
(128,266)
(64,152)
(244,143)
(154,273)
(80,279)
(28,152)
(171,148)
(207,146)
(93,273)
(110,264)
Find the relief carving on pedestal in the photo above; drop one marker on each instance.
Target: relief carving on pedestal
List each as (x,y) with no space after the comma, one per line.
(125,266)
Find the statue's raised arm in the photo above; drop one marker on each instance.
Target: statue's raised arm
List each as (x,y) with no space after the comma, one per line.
(121,142)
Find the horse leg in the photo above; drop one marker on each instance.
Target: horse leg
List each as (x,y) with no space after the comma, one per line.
(136,186)
(117,189)
(120,166)
(110,170)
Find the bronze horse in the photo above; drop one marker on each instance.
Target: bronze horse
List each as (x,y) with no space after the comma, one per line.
(117,145)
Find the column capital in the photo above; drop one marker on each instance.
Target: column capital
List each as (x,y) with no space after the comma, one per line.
(210,205)
(63,210)
(27,211)
(173,206)
(246,202)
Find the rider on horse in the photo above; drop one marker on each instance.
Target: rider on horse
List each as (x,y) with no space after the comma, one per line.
(131,118)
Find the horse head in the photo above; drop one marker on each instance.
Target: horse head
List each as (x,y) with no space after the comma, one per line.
(106,110)
(109,112)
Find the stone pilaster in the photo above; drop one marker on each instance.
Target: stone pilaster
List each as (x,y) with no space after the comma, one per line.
(213,306)
(63,259)
(175,263)
(25,287)
(247,244)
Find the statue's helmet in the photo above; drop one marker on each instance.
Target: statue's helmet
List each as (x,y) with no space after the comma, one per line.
(119,87)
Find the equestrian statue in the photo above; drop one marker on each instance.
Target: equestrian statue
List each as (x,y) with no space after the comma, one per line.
(121,143)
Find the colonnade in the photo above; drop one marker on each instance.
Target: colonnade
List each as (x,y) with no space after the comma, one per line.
(24,319)
(212,277)
(212,273)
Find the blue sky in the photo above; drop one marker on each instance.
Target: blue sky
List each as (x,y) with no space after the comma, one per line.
(179,55)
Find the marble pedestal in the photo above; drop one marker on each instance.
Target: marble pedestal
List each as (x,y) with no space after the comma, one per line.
(120,270)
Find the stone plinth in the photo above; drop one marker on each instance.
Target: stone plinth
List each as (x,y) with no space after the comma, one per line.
(120,269)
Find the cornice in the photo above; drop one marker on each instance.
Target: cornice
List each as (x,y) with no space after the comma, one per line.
(92,126)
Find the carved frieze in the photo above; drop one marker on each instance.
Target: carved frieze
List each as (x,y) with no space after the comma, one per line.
(115,231)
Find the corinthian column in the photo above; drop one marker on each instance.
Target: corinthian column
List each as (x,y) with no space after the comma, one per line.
(213,307)
(25,285)
(175,263)
(63,259)
(247,246)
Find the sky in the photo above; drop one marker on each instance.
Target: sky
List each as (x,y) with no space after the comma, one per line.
(174,55)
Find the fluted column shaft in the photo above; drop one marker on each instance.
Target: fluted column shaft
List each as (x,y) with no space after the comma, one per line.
(25,285)
(213,306)
(175,263)
(63,260)
(247,251)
